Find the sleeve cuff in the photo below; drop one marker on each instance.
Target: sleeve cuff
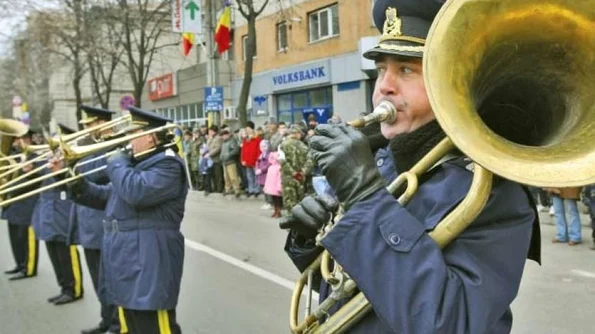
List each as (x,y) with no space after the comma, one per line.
(120,161)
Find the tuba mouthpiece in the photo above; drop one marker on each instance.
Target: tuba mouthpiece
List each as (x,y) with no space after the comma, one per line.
(384,112)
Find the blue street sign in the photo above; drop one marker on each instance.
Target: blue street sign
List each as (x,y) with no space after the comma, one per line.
(214,98)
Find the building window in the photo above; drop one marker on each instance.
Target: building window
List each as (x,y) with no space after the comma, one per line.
(282,36)
(324,23)
(244,47)
(291,106)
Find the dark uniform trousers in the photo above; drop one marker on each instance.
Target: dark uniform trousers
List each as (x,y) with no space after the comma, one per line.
(67,266)
(148,322)
(109,316)
(25,248)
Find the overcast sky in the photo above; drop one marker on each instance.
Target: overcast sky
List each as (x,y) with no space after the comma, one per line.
(12,18)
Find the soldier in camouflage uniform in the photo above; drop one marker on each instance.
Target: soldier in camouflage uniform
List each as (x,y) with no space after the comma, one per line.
(296,165)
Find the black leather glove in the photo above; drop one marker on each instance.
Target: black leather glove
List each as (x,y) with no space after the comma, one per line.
(346,160)
(310,215)
(77,187)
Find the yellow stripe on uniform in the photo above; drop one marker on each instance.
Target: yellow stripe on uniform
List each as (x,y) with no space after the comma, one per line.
(122,318)
(163,318)
(32,251)
(76,271)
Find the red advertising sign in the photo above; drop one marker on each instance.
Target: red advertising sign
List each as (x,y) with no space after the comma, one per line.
(162,87)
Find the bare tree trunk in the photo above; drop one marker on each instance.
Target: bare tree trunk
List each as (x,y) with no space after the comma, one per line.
(76,83)
(247,81)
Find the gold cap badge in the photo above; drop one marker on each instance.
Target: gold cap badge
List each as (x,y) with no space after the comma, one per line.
(392,24)
(392,29)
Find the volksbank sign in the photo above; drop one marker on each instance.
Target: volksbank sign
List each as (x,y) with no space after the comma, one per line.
(303,75)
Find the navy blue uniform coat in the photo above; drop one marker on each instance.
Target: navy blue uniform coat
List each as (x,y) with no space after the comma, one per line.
(86,224)
(143,249)
(413,285)
(51,214)
(21,212)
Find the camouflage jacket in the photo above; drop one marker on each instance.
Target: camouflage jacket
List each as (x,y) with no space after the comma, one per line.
(297,159)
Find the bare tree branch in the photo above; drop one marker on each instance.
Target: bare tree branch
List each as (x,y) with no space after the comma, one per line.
(143,22)
(258,12)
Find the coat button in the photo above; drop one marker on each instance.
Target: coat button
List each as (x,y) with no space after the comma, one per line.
(394,239)
(380,162)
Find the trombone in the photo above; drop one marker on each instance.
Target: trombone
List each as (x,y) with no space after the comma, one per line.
(473,68)
(76,153)
(55,143)
(52,145)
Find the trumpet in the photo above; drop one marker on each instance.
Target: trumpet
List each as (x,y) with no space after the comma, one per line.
(495,71)
(72,154)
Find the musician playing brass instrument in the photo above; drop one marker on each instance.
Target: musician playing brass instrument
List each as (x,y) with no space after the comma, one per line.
(86,224)
(414,286)
(142,251)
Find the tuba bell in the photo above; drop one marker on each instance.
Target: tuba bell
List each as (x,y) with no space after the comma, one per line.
(532,61)
(9,130)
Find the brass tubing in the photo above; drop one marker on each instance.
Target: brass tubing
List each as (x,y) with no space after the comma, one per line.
(22,177)
(62,171)
(51,186)
(55,143)
(384,112)
(453,224)
(21,165)
(34,181)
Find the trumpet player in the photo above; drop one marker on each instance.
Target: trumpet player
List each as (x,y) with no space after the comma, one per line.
(412,285)
(86,224)
(142,248)
(24,244)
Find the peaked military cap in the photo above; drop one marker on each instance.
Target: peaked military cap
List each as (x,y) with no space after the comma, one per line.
(404,25)
(91,114)
(142,119)
(65,130)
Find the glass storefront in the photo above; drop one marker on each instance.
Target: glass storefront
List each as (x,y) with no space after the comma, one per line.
(189,115)
(290,106)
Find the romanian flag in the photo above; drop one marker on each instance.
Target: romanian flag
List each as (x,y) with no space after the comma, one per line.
(223,32)
(187,42)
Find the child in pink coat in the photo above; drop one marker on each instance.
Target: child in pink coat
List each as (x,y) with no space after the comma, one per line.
(272,184)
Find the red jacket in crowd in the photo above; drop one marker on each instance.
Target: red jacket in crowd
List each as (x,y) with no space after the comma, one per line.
(250,152)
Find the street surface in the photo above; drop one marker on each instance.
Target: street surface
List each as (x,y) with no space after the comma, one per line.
(237,279)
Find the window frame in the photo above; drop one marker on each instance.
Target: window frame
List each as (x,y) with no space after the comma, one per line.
(278,30)
(328,10)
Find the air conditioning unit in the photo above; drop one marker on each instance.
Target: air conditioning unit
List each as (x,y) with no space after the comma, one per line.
(230,113)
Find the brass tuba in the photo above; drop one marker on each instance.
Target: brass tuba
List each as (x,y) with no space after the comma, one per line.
(531,60)
(10,129)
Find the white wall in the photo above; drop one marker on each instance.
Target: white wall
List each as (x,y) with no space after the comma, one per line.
(349,104)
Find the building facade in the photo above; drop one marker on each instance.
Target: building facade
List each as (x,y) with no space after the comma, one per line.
(309,61)
(181,95)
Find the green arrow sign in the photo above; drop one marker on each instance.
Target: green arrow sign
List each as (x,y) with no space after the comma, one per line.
(193,8)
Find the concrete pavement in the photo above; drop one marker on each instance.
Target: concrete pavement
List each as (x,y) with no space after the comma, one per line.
(237,279)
